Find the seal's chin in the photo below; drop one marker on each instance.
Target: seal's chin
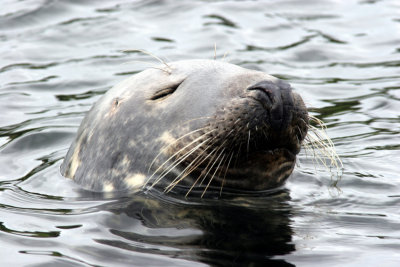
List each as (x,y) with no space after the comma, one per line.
(256,171)
(260,170)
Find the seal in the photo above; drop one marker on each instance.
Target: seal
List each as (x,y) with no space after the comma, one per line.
(194,124)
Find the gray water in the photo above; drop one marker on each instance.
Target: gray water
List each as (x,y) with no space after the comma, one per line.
(58,57)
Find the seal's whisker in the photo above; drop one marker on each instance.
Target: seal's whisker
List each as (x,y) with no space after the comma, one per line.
(310,146)
(225,54)
(178,161)
(210,142)
(197,118)
(202,160)
(145,62)
(317,150)
(309,118)
(264,128)
(297,138)
(211,167)
(306,148)
(300,131)
(238,153)
(201,174)
(173,143)
(321,135)
(211,160)
(248,143)
(216,169)
(149,54)
(321,145)
(176,153)
(319,122)
(134,61)
(265,135)
(326,150)
(178,179)
(192,166)
(226,171)
(226,156)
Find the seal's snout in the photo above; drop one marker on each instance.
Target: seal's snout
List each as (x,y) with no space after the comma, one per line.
(276,97)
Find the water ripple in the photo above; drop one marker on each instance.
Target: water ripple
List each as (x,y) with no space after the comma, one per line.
(59,57)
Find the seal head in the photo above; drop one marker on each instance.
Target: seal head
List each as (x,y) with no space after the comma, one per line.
(194,124)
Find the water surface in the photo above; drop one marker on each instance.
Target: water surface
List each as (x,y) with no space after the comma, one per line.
(58,57)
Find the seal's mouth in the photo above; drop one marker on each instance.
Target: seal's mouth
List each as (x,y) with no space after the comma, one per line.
(251,170)
(261,170)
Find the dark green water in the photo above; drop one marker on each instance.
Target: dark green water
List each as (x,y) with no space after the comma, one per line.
(58,57)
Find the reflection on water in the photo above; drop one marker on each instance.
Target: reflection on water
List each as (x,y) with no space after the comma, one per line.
(59,57)
(241,231)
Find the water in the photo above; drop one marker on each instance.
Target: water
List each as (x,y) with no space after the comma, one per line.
(58,57)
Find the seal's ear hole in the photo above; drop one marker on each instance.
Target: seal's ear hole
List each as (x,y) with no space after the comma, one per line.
(164,93)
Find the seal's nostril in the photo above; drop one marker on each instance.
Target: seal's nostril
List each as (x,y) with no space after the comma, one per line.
(270,89)
(276,98)
(270,94)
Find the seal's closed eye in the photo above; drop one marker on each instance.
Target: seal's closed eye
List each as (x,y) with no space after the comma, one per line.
(164,93)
